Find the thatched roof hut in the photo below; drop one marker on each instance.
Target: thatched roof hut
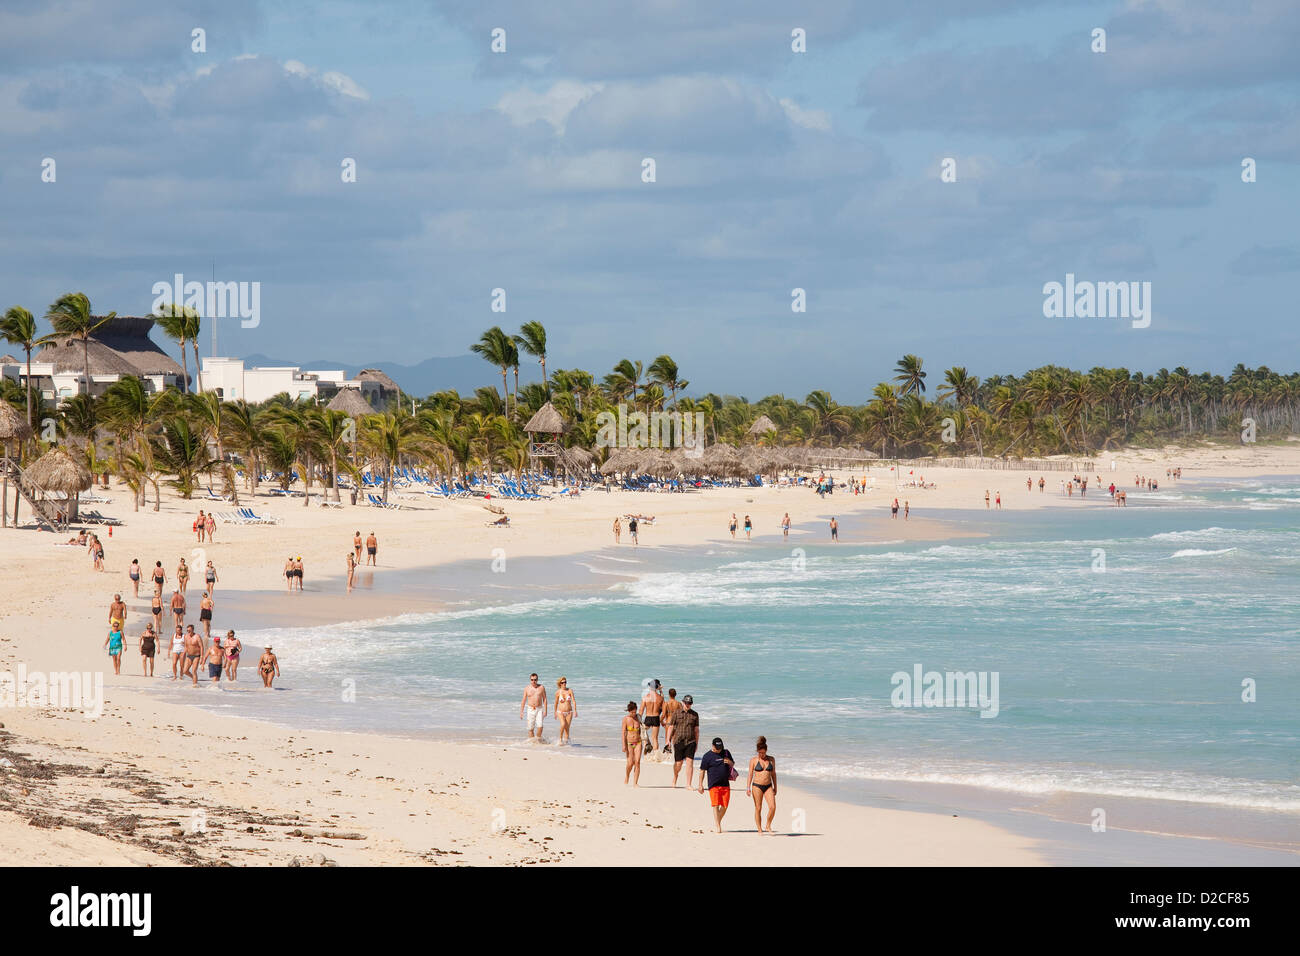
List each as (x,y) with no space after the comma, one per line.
(13,427)
(350,402)
(576,459)
(547,420)
(56,470)
(120,347)
(390,388)
(761,427)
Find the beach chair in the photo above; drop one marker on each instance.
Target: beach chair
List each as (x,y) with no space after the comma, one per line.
(378,502)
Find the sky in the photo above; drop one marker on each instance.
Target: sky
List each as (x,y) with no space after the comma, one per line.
(775,170)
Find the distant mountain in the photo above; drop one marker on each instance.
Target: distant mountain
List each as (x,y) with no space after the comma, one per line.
(464,373)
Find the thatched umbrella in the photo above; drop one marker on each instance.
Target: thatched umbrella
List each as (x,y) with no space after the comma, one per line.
(13,429)
(760,428)
(56,470)
(619,460)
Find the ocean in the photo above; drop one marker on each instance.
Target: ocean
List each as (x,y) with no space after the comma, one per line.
(1149,652)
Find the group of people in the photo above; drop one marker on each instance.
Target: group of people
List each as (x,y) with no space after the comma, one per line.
(94,547)
(639,734)
(354,556)
(634,523)
(205,527)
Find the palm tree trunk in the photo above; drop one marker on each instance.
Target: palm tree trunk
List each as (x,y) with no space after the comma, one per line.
(198,369)
(185,369)
(85,361)
(505,391)
(29,386)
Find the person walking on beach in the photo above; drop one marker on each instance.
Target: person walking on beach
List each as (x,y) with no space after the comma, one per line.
(233,646)
(193,651)
(156,609)
(732,526)
(749,528)
(893,509)
(297,571)
(352,570)
(534,704)
(686,736)
(205,616)
(715,767)
(114,642)
(566,708)
(835,530)
(268,665)
(618,529)
(652,703)
(178,607)
(986,497)
(288,573)
(630,734)
(761,784)
(210,577)
(785,526)
(148,648)
(907,509)
(999,500)
(216,662)
(372,549)
(671,706)
(134,574)
(178,653)
(200,526)
(159,578)
(183,575)
(1041,482)
(356,546)
(117,609)
(212,527)
(631,529)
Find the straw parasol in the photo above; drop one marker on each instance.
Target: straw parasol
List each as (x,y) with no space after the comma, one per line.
(351,403)
(13,428)
(761,427)
(56,470)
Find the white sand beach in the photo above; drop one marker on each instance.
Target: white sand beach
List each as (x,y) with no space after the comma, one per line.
(154,782)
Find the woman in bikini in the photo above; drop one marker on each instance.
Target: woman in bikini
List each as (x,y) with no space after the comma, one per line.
(352,570)
(156,610)
(761,785)
(183,575)
(268,666)
(159,578)
(205,616)
(566,708)
(210,577)
(135,576)
(212,526)
(288,573)
(233,647)
(618,530)
(630,732)
(749,527)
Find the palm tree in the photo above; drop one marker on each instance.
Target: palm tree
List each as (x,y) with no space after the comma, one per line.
(391,438)
(70,315)
(331,430)
(532,339)
(624,380)
(209,409)
(910,375)
(181,324)
(182,452)
(18,327)
(664,372)
(498,349)
(246,437)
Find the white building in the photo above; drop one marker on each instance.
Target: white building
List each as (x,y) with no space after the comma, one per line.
(230,379)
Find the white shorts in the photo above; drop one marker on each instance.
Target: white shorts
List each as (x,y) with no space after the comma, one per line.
(534,718)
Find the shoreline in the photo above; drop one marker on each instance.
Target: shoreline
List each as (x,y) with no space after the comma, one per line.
(78,598)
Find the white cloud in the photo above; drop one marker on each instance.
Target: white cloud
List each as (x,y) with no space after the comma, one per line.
(809,119)
(524,106)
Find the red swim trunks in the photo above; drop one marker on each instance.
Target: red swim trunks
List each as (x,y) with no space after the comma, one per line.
(719,796)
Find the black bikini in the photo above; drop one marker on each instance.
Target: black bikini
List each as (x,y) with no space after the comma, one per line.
(762,787)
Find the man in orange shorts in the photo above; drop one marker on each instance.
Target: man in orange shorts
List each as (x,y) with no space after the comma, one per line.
(716,767)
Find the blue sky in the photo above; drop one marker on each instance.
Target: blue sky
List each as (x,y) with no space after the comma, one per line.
(774,170)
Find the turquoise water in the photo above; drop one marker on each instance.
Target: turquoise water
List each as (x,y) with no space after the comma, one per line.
(1124,682)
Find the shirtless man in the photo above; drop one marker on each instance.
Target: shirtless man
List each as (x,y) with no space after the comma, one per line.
(216,658)
(356,546)
(117,610)
(671,706)
(178,607)
(652,703)
(193,651)
(535,703)
(372,549)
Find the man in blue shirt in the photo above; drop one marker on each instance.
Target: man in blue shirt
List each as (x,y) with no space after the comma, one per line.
(716,767)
